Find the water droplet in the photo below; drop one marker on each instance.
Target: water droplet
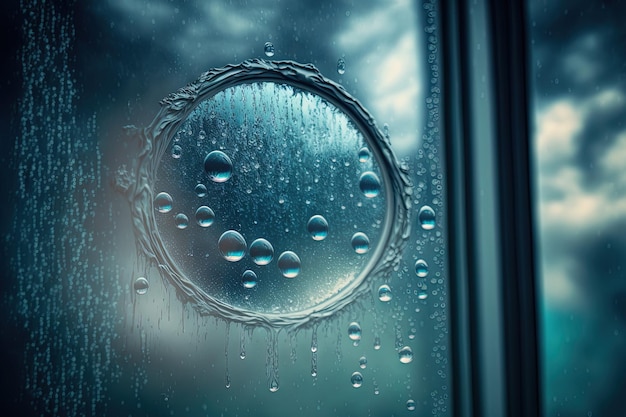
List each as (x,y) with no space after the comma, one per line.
(354,332)
(360,243)
(405,354)
(364,154)
(356,379)
(177,151)
(269,49)
(421,268)
(249,279)
(369,184)
(201,190)
(317,227)
(341,66)
(261,251)
(384,293)
(232,245)
(376,343)
(205,216)
(422,295)
(141,286)
(201,135)
(181,220)
(273,386)
(363,362)
(410,405)
(426,217)
(289,264)
(163,202)
(218,166)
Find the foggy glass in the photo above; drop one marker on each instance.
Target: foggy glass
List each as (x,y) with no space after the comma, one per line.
(95,329)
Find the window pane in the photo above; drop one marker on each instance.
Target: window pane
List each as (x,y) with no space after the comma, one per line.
(97,326)
(578,88)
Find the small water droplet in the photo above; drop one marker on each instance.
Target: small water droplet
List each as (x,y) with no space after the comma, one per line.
(384,293)
(421,268)
(422,295)
(201,135)
(232,246)
(405,354)
(410,405)
(273,386)
(141,285)
(201,190)
(426,218)
(354,332)
(249,279)
(289,264)
(261,251)
(369,183)
(360,243)
(269,49)
(317,227)
(364,154)
(218,166)
(356,379)
(163,202)
(363,362)
(181,220)
(376,343)
(177,151)
(341,66)
(205,216)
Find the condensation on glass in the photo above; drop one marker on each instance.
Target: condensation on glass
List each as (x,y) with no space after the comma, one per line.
(267,195)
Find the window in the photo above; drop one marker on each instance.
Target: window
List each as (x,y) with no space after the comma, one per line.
(105,330)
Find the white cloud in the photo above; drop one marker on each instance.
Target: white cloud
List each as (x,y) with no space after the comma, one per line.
(569,207)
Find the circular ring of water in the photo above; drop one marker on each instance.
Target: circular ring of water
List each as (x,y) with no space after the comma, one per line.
(156,143)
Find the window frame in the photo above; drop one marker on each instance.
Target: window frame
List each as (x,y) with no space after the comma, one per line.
(493,278)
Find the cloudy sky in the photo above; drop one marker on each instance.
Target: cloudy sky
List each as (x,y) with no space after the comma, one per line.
(579,66)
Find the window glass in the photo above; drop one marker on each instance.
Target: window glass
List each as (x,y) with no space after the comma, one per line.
(578,85)
(95,324)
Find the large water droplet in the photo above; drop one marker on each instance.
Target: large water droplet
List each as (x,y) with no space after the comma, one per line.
(364,154)
(163,202)
(205,216)
(422,295)
(426,218)
(405,354)
(360,243)
(269,49)
(232,245)
(249,279)
(201,190)
(218,166)
(289,264)
(363,362)
(369,183)
(261,251)
(341,66)
(141,285)
(421,268)
(410,405)
(356,379)
(181,220)
(317,227)
(177,151)
(354,332)
(384,293)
